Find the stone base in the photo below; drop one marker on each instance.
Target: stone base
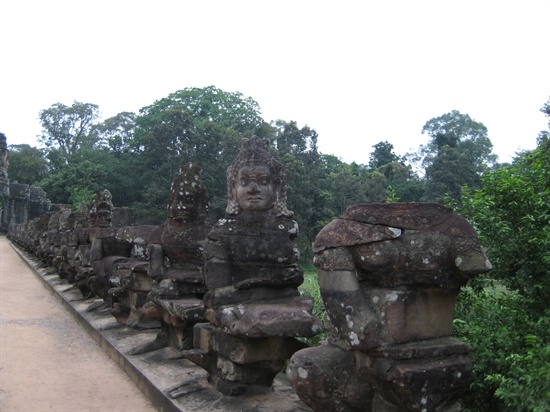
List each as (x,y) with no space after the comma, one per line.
(239,365)
(421,376)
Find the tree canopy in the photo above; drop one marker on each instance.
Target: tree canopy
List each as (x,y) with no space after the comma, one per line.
(65,129)
(27,164)
(458,153)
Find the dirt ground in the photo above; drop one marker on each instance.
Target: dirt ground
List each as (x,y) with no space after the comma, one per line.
(47,360)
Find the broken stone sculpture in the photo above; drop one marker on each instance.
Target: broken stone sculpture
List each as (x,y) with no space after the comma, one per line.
(94,276)
(175,271)
(115,254)
(253,305)
(389,275)
(128,280)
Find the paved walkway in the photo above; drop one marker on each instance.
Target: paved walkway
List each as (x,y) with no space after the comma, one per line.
(47,360)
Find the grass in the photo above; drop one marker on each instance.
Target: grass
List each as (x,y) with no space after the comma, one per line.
(310,287)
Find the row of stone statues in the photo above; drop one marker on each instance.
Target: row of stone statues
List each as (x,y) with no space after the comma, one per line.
(226,294)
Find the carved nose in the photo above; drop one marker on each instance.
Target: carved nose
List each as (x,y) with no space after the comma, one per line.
(253,187)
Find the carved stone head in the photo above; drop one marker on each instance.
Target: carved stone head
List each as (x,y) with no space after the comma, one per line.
(103,207)
(189,198)
(256,181)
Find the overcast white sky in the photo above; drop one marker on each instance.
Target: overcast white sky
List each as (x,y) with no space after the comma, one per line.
(358,72)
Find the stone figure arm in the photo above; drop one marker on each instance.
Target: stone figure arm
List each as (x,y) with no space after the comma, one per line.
(96,249)
(349,313)
(156,268)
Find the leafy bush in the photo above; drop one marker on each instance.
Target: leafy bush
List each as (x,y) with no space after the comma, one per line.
(526,386)
(509,349)
(310,288)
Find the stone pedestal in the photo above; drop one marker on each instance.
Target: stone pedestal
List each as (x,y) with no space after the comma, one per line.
(240,365)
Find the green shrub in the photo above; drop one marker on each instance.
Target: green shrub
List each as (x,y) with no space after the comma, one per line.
(310,288)
(526,385)
(509,349)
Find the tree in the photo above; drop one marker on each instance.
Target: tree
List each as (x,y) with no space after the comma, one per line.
(297,149)
(218,147)
(512,215)
(171,140)
(458,153)
(117,132)
(289,138)
(382,155)
(448,172)
(402,184)
(75,180)
(508,326)
(66,129)
(27,164)
(209,104)
(459,131)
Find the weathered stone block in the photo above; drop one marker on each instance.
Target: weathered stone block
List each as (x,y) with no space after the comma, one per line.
(247,275)
(216,298)
(429,384)
(241,350)
(327,380)
(376,316)
(288,317)
(189,309)
(261,373)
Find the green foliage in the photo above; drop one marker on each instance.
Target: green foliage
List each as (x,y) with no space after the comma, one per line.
(27,164)
(510,364)
(297,150)
(382,155)
(117,132)
(447,173)
(458,153)
(512,215)
(209,104)
(508,325)
(73,180)
(310,288)
(80,195)
(526,385)
(66,129)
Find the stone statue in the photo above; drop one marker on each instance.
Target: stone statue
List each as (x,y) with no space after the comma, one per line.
(252,274)
(389,275)
(176,263)
(4,161)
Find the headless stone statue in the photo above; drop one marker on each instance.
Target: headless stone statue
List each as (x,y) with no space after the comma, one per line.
(389,275)
(252,274)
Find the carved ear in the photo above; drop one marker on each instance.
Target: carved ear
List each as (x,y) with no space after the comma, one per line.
(277,182)
(232,204)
